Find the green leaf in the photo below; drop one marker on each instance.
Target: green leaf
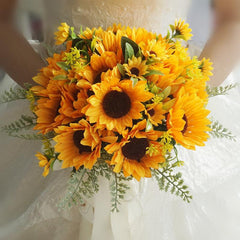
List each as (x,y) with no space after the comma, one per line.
(172,28)
(168,35)
(135,47)
(121,69)
(149,126)
(153,72)
(81,30)
(63,65)
(167,91)
(60,77)
(52,163)
(179,37)
(139,54)
(134,81)
(73,34)
(129,52)
(78,43)
(93,44)
(152,61)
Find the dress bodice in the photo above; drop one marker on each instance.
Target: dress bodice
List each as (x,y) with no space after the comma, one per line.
(154,15)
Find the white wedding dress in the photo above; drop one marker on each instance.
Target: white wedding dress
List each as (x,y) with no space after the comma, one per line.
(28,201)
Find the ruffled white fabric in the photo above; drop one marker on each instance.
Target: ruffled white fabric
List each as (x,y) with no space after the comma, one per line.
(28,201)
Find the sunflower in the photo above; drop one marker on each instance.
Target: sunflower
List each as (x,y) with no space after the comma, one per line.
(155,113)
(157,49)
(197,86)
(182,29)
(41,79)
(48,106)
(131,154)
(90,33)
(206,67)
(116,103)
(53,70)
(42,82)
(62,34)
(47,113)
(115,27)
(85,77)
(139,35)
(136,67)
(109,41)
(171,74)
(72,102)
(46,76)
(102,63)
(107,60)
(111,73)
(44,162)
(195,82)
(78,144)
(187,120)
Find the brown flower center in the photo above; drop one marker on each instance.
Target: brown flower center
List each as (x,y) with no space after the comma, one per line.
(116,104)
(186,124)
(151,112)
(135,149)
(178,32)
(98,77)
(135,71)
(77,137)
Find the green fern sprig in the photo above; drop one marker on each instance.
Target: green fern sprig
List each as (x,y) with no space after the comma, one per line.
(23,128)
(13,95)
(118,189)
(23,123)
(168,180)
(218,131)
(28,136)
(222,90)
(73,196)
(89,185)
(83,184)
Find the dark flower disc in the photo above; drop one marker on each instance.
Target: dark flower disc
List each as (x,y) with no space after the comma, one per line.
(77,137)
(135,71)
(116,104)
(135,149)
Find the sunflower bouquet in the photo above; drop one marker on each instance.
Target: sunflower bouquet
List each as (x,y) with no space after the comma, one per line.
(116,103)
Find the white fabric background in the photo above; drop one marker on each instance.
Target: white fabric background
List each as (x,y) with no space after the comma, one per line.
(28,202)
